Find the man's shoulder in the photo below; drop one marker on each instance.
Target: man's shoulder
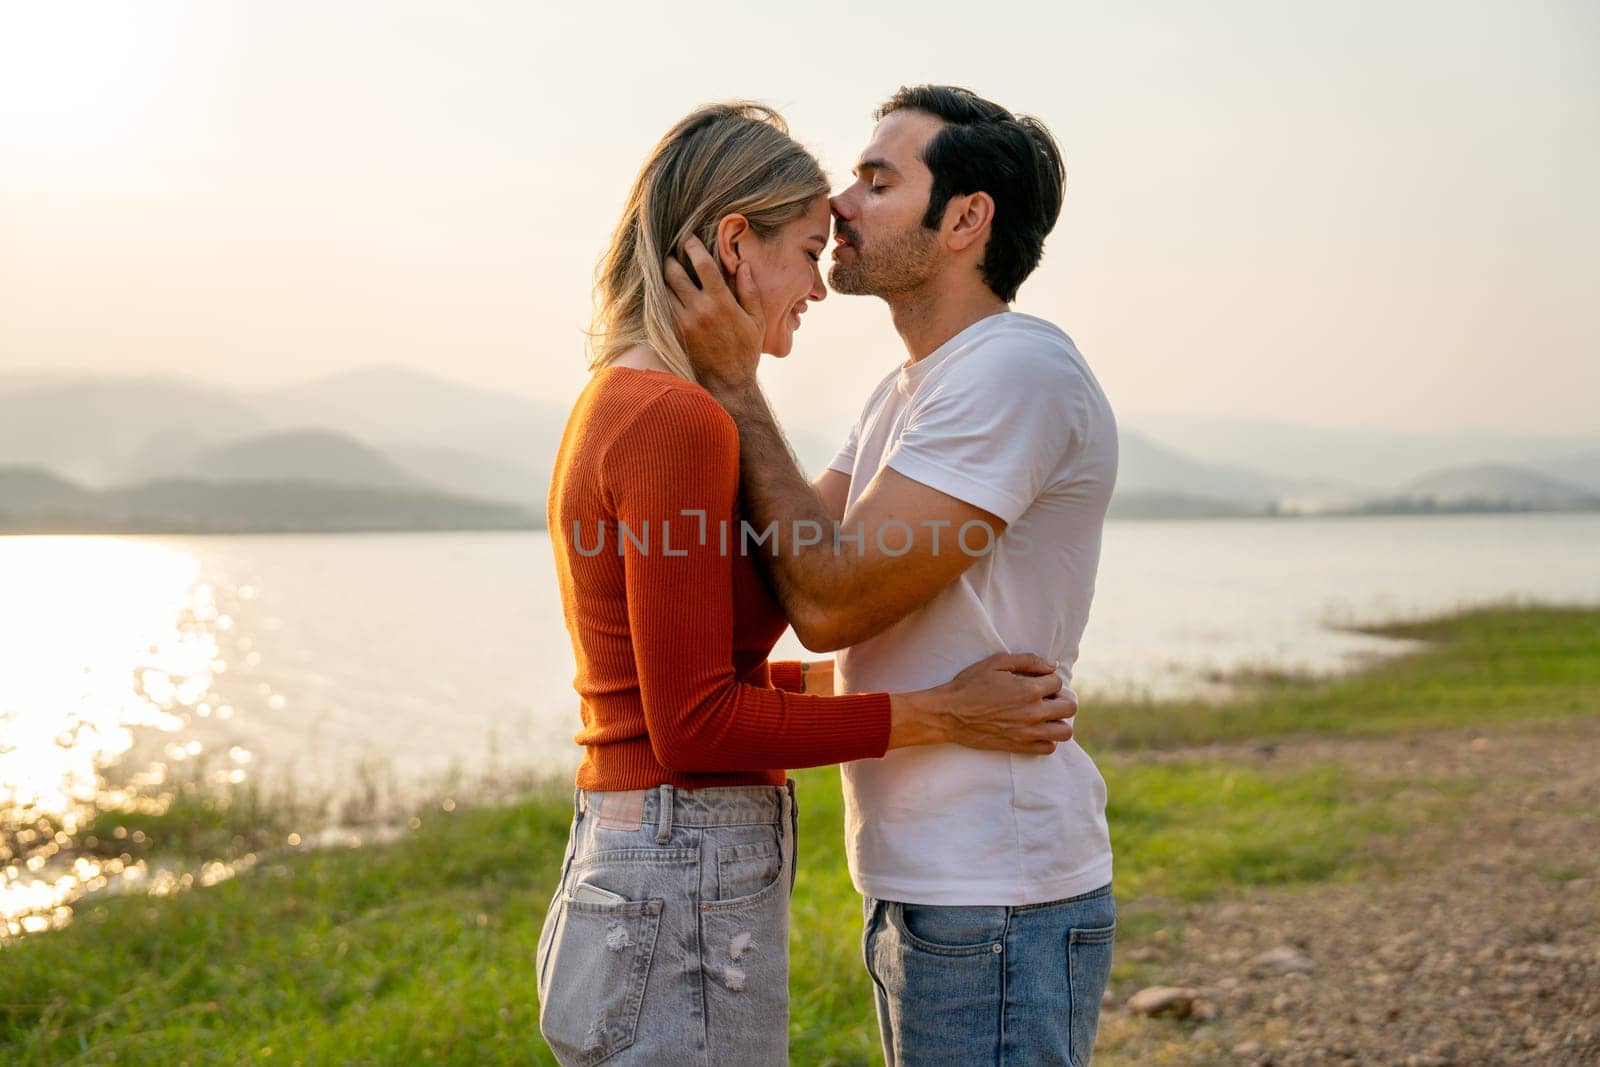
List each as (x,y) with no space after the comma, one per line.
(1019,349)
(881,393)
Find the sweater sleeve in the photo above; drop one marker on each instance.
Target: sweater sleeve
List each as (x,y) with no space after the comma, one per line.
(786,675)
(678,462)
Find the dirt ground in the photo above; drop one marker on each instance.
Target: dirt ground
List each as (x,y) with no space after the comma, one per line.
(1481,947)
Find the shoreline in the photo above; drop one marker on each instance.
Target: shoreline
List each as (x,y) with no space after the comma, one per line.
(1313,801)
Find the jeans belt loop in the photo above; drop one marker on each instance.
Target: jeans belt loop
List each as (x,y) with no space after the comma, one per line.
(664,815)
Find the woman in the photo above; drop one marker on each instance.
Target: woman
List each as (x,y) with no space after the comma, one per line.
(667,938)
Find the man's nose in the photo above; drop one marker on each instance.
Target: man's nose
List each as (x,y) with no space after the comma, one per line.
(841,207)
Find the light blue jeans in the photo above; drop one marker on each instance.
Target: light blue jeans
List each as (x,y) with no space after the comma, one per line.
(667,941)
(1008,986)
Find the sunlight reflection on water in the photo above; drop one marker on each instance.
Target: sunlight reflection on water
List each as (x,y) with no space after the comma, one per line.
(138,673)
(119,638)
(341,681)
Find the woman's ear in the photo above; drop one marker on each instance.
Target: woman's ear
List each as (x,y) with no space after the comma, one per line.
(732,232)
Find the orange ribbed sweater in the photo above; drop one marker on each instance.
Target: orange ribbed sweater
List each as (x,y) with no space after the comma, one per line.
(671,632)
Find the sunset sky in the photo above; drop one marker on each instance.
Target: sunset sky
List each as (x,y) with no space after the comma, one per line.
(1360,214)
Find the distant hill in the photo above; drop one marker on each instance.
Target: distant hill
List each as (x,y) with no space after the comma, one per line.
(26,490)
(387,427)
(1373,461)
(1160,505)
(395,429)
(386,401)
(1492,486)
(88,431)
(454,436)
(32,501)
(476,475)
(1580,469)
(389,406)
(304,456)
(1148,468)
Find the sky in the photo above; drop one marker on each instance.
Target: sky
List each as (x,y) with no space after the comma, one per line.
(1355,215)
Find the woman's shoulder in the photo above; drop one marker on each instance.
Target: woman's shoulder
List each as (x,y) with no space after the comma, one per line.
(657,409)
(655,395)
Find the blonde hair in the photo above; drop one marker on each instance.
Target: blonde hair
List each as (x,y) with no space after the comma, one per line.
(722,159)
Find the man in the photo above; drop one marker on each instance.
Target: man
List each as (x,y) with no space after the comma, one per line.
(965,513)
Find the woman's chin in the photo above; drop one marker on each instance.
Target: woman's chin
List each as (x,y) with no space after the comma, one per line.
(779,347)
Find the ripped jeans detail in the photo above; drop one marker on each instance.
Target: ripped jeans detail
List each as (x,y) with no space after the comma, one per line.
(667,941)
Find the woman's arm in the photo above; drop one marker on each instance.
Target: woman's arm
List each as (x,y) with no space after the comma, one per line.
(802,676)
(679,463)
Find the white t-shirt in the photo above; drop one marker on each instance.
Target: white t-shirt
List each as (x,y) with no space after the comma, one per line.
(1007,416)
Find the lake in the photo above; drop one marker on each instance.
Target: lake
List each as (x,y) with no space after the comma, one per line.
(408,657)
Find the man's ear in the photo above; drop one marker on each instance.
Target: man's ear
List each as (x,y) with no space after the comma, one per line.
(967,220)
(732,232)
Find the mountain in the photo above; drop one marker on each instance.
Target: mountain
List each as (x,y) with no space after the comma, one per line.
(1580,469)
(390,401)
(393,429)
(1366,460)
(1496,486)
(472,440)
(389,405)
(386,426)
(34,502)
(1146,467)
(90,430)
(1145,504)
(479,476)
(25,490)
(304,456)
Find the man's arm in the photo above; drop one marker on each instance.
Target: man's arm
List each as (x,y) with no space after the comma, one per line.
(895,550)
(833,489)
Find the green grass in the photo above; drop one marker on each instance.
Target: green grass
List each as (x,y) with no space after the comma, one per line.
(1190,830)
(1482,668)
(422,950)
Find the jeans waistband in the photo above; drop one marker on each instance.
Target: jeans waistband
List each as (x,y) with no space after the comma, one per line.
(667,806)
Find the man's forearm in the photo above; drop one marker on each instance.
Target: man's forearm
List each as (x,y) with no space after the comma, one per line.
(778,499)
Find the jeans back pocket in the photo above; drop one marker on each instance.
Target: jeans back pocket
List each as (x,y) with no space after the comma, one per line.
(593,979)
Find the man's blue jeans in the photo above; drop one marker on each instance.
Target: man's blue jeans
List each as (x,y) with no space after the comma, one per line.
(1010,986)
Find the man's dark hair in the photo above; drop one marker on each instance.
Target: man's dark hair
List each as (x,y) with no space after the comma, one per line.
(985,148)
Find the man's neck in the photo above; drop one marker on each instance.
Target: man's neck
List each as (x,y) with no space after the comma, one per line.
(927,318)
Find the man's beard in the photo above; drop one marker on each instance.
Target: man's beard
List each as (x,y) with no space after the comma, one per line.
(893,264)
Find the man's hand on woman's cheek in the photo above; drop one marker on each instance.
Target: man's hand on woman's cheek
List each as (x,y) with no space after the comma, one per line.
(721,333)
